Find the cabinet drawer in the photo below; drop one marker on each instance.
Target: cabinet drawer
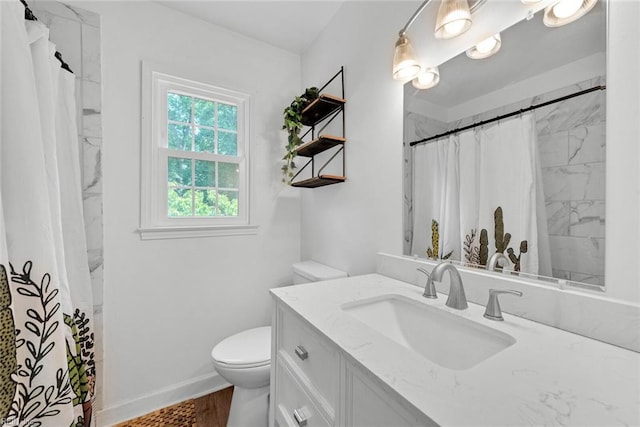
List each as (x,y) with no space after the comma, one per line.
(293,406)
(311,354)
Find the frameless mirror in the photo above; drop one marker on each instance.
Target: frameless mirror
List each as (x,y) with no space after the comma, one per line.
(531,185)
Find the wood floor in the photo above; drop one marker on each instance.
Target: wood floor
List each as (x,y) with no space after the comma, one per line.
(207,411)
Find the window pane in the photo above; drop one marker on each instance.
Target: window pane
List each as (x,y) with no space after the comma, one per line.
(227,117)
(203,112)
(228,175)
(205,173)
(227,143)
(204,139)
(228,203)
(180,137)
(179,107)
(179,202)
(179,171)
(205,202)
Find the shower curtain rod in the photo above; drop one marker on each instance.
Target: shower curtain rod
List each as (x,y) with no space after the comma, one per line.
(29,16)
(504,116)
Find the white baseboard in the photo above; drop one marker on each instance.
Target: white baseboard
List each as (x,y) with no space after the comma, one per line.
(168,396)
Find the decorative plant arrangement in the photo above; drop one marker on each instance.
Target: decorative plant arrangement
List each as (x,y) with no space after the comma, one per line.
(478,256)
(293,125)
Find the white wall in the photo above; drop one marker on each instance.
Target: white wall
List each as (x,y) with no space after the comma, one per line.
(167,302)
(345,225)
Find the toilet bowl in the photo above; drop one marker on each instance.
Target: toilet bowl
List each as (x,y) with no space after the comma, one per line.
(244,359)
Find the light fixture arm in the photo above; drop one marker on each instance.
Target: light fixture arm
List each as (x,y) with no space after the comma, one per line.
(414,17)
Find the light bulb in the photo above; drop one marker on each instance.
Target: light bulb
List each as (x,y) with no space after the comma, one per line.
(454,27)
(453,19)
(486,45)
(407,70)
(427,79)
(486,48)
(566,8)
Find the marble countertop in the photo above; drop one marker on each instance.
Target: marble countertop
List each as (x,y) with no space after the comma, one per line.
(548,377)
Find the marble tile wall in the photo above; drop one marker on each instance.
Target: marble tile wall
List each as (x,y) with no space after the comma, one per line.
(571,136)
(76,33)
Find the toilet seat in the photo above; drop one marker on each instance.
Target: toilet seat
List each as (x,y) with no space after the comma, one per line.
(246,349)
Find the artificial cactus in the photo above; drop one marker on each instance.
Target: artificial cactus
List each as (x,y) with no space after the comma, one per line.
(502,239)
(434,251)
(8,361)
(524,247)
(484,247)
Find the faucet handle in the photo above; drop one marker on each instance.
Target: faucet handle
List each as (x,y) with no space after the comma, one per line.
(429,288)
(493,311)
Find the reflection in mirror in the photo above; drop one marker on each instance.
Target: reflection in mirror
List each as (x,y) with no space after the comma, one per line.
(531,185)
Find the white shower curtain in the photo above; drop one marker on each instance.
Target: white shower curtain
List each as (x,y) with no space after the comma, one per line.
(436,231)
(500,184)
(484,185)
(47,364)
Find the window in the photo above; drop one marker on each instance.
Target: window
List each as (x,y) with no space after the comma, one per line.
(195,158)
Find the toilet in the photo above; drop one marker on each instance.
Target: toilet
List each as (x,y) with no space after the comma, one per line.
(244,359)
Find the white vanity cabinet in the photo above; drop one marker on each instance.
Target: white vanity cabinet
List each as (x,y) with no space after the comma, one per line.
(314,384)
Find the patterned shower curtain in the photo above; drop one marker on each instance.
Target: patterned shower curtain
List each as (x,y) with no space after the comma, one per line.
(480,192)
(47,368)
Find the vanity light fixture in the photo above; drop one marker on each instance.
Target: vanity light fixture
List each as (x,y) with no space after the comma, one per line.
(486,48)
(405,65)
(427,79)
(566,11)
(453,19)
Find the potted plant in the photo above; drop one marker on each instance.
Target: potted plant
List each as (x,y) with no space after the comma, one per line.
(293,125)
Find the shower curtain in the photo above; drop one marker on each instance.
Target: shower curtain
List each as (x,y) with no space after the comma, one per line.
(47,366)
(486,195)
(436,231)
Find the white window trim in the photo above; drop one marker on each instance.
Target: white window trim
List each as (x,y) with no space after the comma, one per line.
(154,223)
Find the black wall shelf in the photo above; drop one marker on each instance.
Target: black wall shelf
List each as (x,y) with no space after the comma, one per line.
(322,111)
(321,108)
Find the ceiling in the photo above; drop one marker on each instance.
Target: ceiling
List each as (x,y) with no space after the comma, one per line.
(290,25)
(528,49)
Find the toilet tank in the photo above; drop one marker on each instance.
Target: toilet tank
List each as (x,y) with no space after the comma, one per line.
(311,271)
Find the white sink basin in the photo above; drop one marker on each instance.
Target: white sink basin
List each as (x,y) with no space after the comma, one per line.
(444,338)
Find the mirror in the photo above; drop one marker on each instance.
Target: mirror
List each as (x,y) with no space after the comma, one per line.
(531,185)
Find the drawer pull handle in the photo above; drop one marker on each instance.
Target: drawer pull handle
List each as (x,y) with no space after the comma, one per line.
(301,352)
(300,418)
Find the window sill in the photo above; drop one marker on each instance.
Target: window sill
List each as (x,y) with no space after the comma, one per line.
(182,232)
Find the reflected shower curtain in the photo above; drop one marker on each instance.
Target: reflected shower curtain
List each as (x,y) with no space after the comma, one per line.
(47,369)
(501,193)
(480,192)
(436,231)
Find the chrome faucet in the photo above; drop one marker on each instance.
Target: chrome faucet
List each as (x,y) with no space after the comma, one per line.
(493,261)
(457,299)
(429,288)
(493,311)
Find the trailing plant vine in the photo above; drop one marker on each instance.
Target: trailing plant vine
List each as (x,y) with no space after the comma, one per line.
(293,125)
